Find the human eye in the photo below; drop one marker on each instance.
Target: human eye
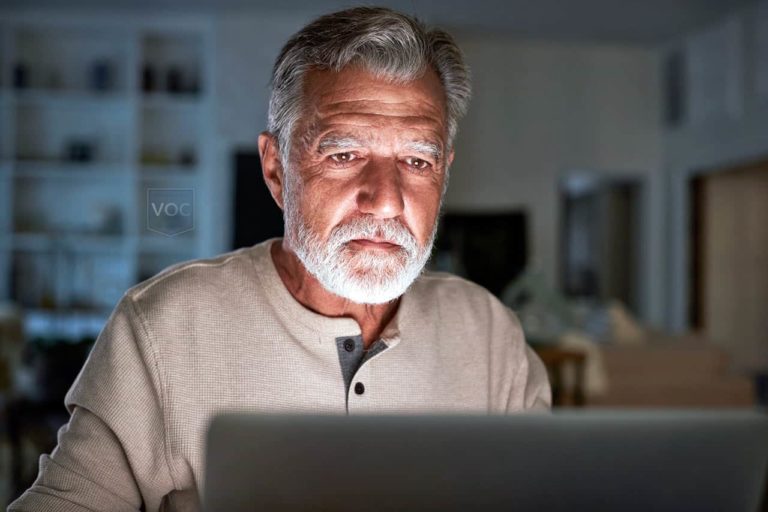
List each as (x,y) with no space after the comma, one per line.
(416,164)
(343,158)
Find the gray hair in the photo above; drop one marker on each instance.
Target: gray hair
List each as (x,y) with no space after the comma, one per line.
(387,43)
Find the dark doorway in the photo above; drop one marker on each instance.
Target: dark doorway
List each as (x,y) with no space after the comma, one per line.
(601,234)
(256,216)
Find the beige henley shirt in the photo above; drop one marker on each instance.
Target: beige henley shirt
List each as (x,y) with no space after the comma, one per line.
(224,334)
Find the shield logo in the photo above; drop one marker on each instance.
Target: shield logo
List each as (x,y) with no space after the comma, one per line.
(170,211)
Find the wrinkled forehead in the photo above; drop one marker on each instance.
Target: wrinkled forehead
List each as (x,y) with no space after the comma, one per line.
(354,97)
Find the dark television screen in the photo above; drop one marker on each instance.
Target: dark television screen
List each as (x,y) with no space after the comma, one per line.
(489,248)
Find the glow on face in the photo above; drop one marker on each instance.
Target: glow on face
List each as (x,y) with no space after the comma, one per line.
(365,181)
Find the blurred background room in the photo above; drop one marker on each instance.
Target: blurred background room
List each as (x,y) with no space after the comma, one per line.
(610,183)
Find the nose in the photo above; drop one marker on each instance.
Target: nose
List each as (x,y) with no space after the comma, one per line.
(381,190)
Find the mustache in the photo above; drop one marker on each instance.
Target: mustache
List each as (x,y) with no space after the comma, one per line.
(389,230)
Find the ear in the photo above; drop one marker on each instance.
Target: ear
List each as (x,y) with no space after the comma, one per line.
(449,161)
(271,166)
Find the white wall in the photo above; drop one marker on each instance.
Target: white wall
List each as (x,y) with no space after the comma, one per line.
(726,125)
(541,109)
(246,45)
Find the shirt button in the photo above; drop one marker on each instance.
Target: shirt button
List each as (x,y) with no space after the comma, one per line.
(349,345)
(359,388)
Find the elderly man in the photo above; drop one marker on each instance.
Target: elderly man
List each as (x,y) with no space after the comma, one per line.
(337,317)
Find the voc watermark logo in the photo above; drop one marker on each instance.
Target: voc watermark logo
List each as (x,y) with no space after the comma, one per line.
(170,211)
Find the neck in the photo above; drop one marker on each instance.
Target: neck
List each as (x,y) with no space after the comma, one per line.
(308,291)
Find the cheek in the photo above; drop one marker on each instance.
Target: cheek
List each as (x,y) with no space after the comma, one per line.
(423,207)
(325,204)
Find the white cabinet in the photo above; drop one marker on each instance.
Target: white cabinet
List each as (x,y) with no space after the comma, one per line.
(96,112)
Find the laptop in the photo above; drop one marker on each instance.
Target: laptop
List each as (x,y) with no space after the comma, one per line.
(568,460)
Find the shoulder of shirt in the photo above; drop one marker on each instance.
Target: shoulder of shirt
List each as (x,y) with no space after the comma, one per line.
(195,275)
(431,281)
(457,293)
(466,306)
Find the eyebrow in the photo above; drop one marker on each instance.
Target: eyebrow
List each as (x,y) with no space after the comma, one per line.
(338,142)
(348,142)
(426,147)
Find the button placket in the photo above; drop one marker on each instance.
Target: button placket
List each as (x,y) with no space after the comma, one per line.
(361,392)
(350,351)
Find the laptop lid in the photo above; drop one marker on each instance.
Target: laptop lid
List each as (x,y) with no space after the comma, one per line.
(585,460)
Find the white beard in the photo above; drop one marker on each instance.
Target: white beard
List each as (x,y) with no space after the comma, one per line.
(364,276)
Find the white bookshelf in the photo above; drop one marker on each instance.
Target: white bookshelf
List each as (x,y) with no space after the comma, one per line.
(95,110)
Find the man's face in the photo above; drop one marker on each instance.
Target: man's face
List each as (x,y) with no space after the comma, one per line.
(365,181)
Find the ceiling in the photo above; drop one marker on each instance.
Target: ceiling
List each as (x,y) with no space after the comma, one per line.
(648,22)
